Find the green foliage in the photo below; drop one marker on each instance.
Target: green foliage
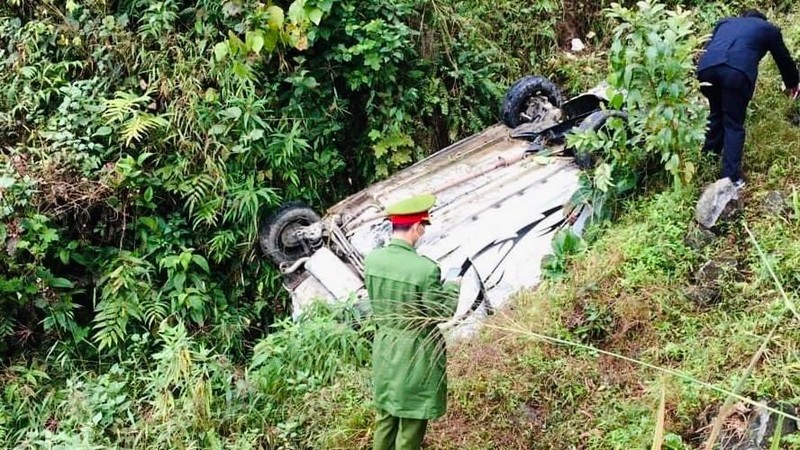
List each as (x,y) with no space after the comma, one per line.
(566,245)
(651,77)
(142,135)
(595,322)
(302,357)
(142,142)
(184,394)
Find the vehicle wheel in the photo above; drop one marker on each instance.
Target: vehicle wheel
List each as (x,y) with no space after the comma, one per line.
(276,237)
(594,122)
(527,98)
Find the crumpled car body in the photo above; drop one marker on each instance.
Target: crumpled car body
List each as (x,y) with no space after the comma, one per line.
(501,196)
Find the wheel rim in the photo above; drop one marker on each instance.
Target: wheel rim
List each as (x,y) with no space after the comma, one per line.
(286,236)
(535,108)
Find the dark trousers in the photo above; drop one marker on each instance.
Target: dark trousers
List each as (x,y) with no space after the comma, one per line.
(728,95)
(397,433)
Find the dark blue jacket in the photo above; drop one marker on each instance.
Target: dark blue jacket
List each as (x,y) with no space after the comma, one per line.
(741,43)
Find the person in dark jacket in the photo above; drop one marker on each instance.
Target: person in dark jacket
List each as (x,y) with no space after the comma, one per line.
(728,71)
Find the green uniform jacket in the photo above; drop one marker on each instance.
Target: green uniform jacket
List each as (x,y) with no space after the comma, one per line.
(409,357)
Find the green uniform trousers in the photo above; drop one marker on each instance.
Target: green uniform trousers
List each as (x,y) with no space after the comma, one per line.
(398,433)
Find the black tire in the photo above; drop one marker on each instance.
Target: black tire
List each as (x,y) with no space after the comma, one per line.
(595,122)
(276,234)
(521,92)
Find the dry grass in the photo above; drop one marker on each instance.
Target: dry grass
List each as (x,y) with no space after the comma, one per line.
(511,391)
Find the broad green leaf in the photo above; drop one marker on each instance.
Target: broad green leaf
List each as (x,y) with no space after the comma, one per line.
(271,40)
(602,177)
(221,51)
(185,258)
(200,261)
(673,163)
(178,281)
(211,95)
(275,18)
(258,43)
(234,43)
(256,134)
(314,15)
(63,255)
(242,70)
(617,101)
(325,5)
(6,182)
(103,131)
(234,112)
(61,283)
(143,157)
(297,11)
(48,235)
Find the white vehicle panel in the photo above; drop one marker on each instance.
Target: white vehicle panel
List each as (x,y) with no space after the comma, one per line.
(501,216)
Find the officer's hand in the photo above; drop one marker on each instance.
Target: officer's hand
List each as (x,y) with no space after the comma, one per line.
(793,93)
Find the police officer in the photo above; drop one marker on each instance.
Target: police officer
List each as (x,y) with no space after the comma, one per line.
(408,301)
(728,71)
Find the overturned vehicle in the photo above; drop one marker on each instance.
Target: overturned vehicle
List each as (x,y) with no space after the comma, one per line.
(501,195)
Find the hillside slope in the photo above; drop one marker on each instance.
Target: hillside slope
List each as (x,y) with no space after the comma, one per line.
(198,361)
(651,291)
(654,307)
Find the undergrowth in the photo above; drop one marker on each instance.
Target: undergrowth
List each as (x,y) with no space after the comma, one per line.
(142,142)
(630,294)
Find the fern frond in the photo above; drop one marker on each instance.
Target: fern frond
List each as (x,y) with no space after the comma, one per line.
(207,214)
(6,327)
(141,124)
(196,189)
(154,311)
(247,200)
(123,290)
(123,105)
(111,322)
(221,246)
(28,71)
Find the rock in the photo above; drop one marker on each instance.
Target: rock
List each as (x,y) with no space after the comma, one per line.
(711,273)
(758,428)
(698,238)
(709,280)
(774,203)
(794,119)
(578,45)
(529,413)
(718,203)
(702,295)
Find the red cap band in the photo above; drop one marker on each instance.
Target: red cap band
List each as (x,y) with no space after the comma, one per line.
(409,219)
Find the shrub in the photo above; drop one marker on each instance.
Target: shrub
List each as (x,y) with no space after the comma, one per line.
(652,78)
